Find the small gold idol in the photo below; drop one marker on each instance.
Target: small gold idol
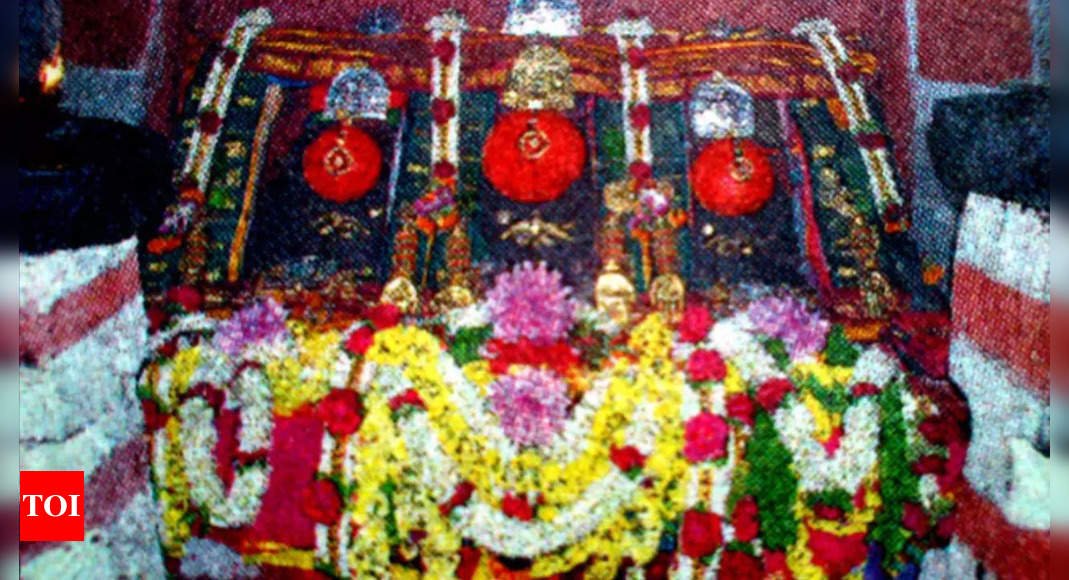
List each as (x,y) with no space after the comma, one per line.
(401,292)
(668,295)
(614,294)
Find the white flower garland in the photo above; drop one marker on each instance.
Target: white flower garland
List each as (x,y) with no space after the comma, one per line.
(241,505)
(492,529)
(857,453)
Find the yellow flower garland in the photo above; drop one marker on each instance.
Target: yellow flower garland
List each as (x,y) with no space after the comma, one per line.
(382,457)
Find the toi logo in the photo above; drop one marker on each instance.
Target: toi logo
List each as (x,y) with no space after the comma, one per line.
(51,506)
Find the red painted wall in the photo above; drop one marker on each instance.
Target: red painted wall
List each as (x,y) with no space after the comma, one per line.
(974,41)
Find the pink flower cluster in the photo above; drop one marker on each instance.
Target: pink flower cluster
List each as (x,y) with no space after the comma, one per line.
(802,331)
(532,405)
(530,301)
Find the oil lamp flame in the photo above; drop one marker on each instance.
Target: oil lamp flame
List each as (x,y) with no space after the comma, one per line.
(50,74)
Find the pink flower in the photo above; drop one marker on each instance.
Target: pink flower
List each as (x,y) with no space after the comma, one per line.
(706,365)
(706,438)
(695,324)
(532,405)
(530,301)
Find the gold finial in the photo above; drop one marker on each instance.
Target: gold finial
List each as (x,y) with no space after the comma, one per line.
(541,78)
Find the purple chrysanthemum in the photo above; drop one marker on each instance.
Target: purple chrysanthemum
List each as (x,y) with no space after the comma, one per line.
(532,405)
(530,302)
(803,332)
(261,321)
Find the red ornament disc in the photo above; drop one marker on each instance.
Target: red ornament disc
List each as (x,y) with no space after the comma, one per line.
(533,156)
(732,177)
(342,164)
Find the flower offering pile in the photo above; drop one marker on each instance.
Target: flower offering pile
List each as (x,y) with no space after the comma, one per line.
(530,435)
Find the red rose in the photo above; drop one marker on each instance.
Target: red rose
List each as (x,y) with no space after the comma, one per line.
(168,349)
(706,437)
(444,170)
(951,476)
(736,565)
(837,555)
(695,324)
(771,393)
(865,390)
(945,528)
(516,507)
(833,441)
(706,365)
(207,391)
(627,458)
(640,116)
(828,512)
(940,431)
(444,50)
(658,568)
(701,534)
(745,519)
(442,110)
(410,397)
(246,458)
(360,340)
(210,122)
(384,316)
(559,356)
(187,297)
(154,418)
(157,317)
(469,562)
(641,171)
(915,519)
(776,565)
(849,73)
(636,57)
(230,57)
(461,494)
(321,502)
(739,406)
(929,464)
(398,99)
(342,412)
